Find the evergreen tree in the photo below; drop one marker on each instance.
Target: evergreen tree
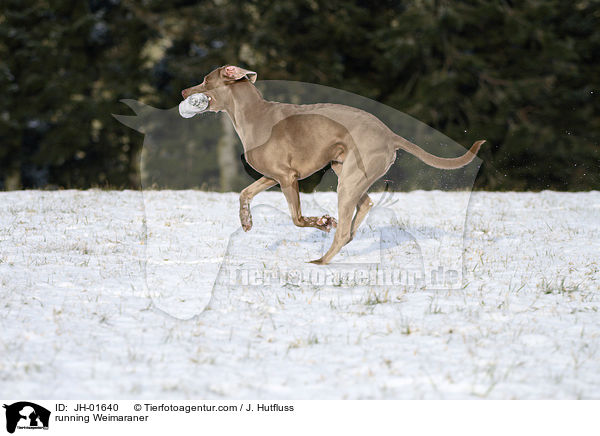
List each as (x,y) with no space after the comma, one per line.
(523,75)
(65,66)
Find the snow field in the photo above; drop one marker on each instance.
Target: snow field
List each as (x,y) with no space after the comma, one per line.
(108,294)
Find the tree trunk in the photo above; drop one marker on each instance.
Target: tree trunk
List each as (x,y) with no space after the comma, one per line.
(135,173)
(12,179)
(226,155)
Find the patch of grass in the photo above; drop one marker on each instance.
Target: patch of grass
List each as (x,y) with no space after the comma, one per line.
(375,298)
(554,287)
(434,309)
(312,339)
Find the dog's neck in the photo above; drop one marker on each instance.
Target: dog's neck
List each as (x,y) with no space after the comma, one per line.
(245,108)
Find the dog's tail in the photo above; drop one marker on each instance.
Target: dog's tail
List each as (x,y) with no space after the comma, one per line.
(439,162)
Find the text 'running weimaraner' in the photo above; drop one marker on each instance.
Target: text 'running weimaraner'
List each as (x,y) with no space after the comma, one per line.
(288,142)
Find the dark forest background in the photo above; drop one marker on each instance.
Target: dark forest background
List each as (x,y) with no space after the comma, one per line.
(524,75)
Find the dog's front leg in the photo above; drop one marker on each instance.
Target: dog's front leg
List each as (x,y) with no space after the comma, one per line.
(246,196)
(290,190)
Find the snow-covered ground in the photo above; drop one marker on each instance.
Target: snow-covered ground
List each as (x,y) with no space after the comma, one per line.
(103,295)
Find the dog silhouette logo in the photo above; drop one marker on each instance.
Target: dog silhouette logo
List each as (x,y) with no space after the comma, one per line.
(26,415)
(195,249)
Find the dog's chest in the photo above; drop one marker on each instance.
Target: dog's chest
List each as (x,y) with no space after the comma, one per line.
(258,159)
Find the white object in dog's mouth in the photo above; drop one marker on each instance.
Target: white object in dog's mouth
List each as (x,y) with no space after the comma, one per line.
(193,105)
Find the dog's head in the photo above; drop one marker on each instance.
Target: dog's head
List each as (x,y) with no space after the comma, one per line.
(216,85)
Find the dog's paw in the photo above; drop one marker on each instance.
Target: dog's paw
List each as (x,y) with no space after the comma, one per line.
(246,223)
(326,223)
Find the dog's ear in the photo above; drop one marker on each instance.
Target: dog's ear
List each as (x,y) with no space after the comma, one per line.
(237,73)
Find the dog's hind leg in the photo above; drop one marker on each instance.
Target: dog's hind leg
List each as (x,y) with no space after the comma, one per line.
(364,204)
(351,189)
(352,194)
(246,196)
(347,203)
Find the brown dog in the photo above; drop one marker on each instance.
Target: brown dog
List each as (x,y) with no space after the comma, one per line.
(288,142)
